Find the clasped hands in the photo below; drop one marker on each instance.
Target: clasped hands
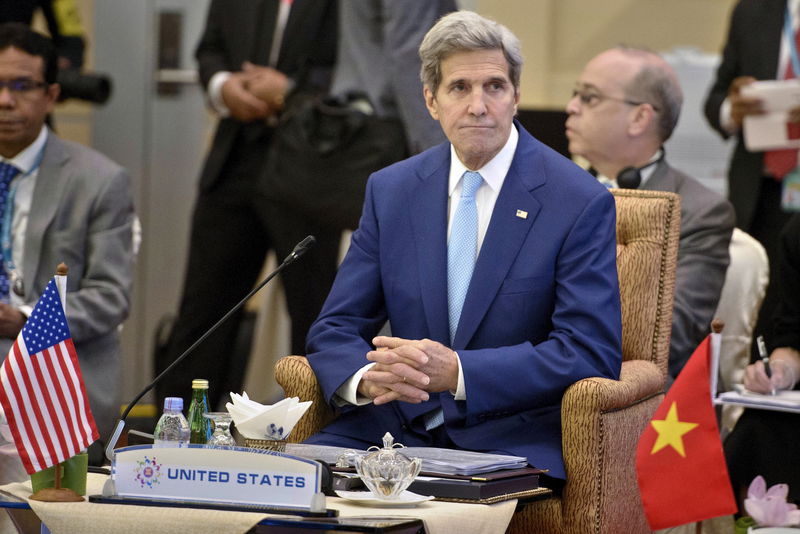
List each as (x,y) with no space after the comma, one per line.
(255,93)
(407,370)
(742,106)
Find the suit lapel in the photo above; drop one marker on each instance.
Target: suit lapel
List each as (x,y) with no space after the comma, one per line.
(770,37)
(504,238)
(430,236)
(294,24)
(50,182)
(257,35)
(661,180)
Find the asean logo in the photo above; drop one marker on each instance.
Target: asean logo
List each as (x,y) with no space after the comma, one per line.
(148,472)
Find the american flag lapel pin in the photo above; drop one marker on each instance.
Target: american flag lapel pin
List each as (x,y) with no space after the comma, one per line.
(522,214)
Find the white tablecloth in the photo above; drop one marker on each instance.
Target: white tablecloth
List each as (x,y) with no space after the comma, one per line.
(89,518)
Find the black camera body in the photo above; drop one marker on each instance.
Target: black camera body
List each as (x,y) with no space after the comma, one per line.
(91,87)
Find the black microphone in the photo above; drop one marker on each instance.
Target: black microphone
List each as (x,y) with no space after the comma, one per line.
(631,177)
(300,249)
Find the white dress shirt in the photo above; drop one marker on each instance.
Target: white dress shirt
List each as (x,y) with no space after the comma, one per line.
(494,174)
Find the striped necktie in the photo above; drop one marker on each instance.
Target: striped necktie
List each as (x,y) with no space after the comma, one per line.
(7,173)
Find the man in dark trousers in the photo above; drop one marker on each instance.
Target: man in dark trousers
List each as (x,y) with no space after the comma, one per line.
(251,54)
(756,49)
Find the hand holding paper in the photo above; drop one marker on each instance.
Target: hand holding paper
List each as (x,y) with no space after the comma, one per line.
(742,106)
(775,127)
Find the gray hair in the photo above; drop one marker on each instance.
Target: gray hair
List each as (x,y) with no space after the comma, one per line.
(657,84)
(466,31)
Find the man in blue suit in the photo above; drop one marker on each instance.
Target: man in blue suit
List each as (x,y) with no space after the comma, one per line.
(496,312)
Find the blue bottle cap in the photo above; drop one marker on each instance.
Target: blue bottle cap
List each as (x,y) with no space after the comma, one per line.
(174,404)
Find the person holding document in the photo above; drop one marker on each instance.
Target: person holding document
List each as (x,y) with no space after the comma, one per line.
(494,260)
(761,45)
(763,442)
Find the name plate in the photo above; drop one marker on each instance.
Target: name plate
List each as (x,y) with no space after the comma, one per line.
(235,475)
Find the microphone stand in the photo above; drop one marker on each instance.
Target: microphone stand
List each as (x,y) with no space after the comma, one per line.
(300,249)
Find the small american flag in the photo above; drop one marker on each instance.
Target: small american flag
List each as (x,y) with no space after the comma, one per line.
(41,387)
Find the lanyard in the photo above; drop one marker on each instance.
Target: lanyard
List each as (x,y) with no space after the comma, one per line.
(8,216)
(788,30)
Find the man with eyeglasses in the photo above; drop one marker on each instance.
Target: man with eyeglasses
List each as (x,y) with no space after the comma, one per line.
(624,107)
(60,202)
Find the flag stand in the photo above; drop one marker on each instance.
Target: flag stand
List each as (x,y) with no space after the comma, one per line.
(56,494)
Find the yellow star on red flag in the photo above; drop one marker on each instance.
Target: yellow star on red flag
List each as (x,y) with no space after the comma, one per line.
(670,431)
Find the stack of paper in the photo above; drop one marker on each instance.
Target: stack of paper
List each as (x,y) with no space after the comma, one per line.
(782,401)
(772,129)
(434,460)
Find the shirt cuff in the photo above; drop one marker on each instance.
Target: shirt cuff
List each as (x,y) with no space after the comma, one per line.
(460,393)
(26,310)
(215,93)
(725,119)
(348,392)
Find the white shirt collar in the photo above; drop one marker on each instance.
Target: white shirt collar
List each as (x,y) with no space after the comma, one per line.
(494,172)
(26,159)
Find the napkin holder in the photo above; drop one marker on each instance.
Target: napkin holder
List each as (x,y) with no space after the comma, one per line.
(235,476)
(277,445)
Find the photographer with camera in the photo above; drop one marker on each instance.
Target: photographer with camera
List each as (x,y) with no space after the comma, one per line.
(66,32)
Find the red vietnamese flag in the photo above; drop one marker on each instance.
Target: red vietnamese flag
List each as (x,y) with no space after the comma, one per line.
(679,460)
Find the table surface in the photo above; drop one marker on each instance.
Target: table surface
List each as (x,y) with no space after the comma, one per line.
(296,525)
(430,517)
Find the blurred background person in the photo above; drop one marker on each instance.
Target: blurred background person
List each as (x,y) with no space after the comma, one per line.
(379,55)
(761,36)
(763,441)
(624,107)
(68,203)
(250,55)
(63,22)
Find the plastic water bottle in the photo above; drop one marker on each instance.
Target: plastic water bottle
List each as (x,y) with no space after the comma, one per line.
(172,429)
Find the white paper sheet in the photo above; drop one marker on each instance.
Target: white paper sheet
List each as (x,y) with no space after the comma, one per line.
(772,130)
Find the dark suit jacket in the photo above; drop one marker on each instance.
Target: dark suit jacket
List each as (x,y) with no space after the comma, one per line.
(752,49)
(541,312)
(787,318)
(82,215)
(707,222)
(237,31)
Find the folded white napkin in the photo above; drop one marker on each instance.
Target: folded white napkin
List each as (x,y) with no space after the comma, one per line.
(260,421)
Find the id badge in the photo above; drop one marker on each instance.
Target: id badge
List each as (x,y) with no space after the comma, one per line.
(790,194)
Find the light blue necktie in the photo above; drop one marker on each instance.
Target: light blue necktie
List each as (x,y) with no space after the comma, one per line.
(461,253)
(7,173)
(462,248)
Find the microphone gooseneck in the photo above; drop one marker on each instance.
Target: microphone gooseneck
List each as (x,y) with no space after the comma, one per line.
(300,249)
